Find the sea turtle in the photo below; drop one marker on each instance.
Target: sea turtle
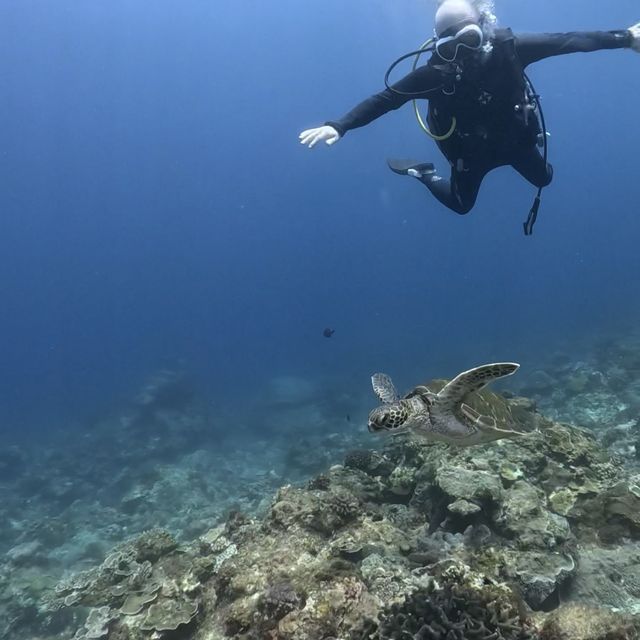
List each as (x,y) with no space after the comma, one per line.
(456,412)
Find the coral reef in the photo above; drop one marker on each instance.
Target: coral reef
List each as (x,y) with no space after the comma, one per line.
(533,538)
(167,459)
(600,392)
(580,622)
(457,606)
(449,544)
(146,585)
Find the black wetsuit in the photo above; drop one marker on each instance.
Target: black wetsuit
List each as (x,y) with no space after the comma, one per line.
(486,94)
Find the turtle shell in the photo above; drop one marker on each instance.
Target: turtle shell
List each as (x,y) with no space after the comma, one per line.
(488,403)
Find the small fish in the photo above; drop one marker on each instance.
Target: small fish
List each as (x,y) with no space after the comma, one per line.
(348,418)
(327,333)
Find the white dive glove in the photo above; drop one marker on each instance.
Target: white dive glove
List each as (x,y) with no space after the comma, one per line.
(635,37)
(311,137)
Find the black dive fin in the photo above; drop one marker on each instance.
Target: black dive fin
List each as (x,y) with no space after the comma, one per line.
(402,166)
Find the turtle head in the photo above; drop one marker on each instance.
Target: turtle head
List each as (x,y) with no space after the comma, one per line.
(388,417)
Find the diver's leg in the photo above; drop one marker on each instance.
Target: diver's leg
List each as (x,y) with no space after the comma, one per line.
(460,192)
(531,166)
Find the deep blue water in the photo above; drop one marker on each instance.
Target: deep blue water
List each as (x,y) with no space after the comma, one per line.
(156,207)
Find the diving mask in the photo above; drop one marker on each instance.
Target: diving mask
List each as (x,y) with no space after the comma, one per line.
(469,37)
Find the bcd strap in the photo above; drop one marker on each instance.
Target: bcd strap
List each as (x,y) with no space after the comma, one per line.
(533,215)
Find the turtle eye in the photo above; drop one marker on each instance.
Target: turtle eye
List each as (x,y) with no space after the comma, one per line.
(379,420)
(382,419)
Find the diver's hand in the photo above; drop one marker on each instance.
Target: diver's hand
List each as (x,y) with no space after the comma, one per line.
(635,37)
(326,134)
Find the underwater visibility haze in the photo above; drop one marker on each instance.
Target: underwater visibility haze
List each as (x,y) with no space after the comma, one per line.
(193,305)
(156,205)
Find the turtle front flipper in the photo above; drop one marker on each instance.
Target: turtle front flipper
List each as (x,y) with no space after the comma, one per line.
(486,424)
(477,419)
(454,392)
(384,388)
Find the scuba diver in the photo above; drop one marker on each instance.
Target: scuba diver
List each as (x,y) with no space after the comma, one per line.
(483,111)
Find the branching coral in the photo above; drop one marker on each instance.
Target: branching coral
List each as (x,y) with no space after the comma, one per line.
(361,459)
(451,612)
(279,600)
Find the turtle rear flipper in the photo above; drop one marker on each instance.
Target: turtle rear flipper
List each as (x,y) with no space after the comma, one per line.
(383,388)
(454,392)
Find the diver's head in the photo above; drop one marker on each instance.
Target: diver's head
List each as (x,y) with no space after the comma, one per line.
(452,15)
(458,29)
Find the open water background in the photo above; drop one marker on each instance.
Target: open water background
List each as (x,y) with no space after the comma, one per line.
(157,210)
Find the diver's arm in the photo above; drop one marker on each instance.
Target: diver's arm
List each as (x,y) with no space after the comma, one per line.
(368,111)
(416,84)
(537,46)
(635,37)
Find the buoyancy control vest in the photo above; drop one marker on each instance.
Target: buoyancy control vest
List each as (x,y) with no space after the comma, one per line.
(491,101)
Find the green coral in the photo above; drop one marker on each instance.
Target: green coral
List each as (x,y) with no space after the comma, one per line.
(580,622)
(154,544)
(145,583)
(402,480)
(468,484)
(168,615)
